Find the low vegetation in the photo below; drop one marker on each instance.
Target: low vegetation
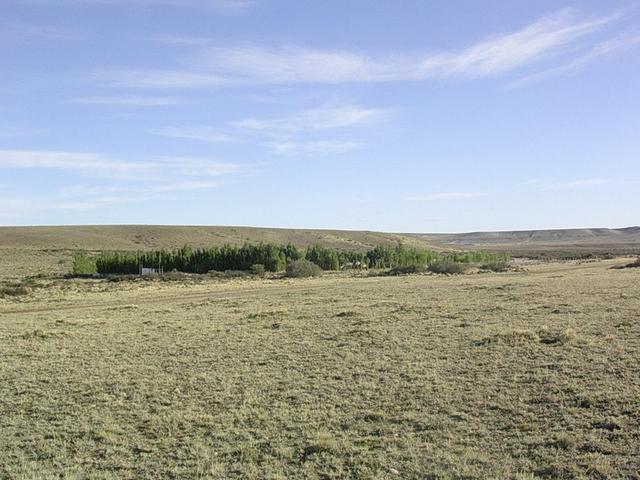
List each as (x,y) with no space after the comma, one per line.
(83,265)
(497,266)
(274,258)
(447,266)
(303,268)
(13,290)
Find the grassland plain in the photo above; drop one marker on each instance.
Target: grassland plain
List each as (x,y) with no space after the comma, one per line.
(531,374)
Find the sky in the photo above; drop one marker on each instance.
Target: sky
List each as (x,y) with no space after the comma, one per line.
(389,115)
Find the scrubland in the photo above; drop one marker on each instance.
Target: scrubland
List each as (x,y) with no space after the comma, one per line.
(522,374)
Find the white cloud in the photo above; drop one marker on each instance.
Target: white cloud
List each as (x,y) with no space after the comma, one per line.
(130,100)
(443,196)
(203,134)
(553,37)
(598,51)
(119,182)
(95,165)
(546,184)
(221,6)
(158,79)
(300,133)
(326,118)
(316,147)
(494,56)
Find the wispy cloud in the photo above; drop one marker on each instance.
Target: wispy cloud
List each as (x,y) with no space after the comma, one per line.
(444,196)
(600,50)
(95,165)
(313,147)
(300,133)
(556,37)
(202,134)
(157,79)
(547,184)
(24,32)
(130,100)
(496,55)
(221,6)
(117,181)
(325,118)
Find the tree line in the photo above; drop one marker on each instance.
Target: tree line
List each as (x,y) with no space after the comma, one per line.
(273,257)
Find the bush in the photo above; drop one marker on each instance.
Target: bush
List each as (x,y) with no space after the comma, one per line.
(258,270)
(408,269)
(495,266)
(83,265)
(234,274)
(13,291)
(303,268)
(634,264)
(447,267)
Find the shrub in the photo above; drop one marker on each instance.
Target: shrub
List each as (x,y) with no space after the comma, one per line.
(258,270)
(303,268)
(496,266)
(83,265)
(634,264)
(446,267)
(408,269)
(13,291)
(234,274)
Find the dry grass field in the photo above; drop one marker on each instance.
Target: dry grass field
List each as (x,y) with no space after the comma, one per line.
(528,374)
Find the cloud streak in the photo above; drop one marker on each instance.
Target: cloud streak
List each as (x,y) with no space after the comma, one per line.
(446,196)
(602,49)
(119,181)
(490,57)
(129,100)
(220,6)
(552,37)
(546,184)
(95,165)
(301,133)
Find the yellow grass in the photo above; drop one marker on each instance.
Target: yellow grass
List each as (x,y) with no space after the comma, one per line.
(512,375)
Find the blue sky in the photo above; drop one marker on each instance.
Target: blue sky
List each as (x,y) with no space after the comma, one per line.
(393,115)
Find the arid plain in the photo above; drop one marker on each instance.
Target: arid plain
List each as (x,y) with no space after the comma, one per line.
(531,373)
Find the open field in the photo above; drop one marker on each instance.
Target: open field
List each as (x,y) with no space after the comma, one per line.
(532,374)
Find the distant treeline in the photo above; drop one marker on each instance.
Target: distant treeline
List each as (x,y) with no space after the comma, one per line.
(273,257)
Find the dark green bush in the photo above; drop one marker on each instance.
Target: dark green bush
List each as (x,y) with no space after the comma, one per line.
(447,267)
(303,268)
(408,269)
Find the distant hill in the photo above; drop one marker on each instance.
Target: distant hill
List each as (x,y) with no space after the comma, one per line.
(615,239)
(142,237)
